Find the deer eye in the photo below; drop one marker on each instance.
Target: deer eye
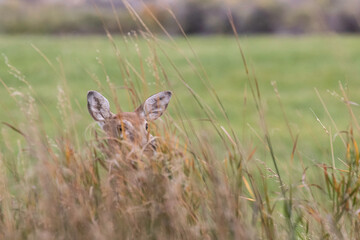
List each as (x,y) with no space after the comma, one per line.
(119,129)
(146,126)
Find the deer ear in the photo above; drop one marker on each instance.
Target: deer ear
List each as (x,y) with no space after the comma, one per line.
(154,106)
(98,106)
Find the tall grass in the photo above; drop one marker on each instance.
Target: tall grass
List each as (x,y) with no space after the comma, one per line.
(61,188)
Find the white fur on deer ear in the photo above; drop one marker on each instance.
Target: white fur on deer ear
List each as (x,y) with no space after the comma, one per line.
(98,106)
(155,105)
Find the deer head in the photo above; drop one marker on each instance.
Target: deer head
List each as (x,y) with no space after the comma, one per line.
(129,126)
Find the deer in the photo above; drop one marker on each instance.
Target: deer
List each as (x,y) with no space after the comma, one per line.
(129,127)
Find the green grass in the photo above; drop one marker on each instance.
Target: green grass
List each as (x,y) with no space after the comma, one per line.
(297,64)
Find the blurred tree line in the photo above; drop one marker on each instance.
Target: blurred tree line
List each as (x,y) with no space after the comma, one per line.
(195,16)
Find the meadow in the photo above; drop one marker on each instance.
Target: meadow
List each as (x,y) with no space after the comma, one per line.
(291,75)
(298,66)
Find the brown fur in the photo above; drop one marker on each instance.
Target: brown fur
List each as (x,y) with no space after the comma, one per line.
(129,126)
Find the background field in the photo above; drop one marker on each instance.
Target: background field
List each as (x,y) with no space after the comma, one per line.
(297,65)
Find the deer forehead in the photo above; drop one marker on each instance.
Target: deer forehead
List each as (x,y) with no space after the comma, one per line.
(130,118)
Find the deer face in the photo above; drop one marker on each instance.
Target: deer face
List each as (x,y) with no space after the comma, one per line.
(128,126)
